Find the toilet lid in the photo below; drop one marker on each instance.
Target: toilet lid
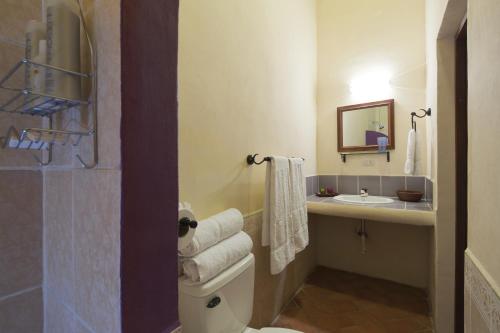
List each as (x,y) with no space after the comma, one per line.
(278,330)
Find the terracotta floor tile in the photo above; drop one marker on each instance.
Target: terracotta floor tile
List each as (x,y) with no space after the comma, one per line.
(425,321)
(362,329)
(385,312)
(298,324)
(353,329)
(340,302)
(328,305)
(403,325)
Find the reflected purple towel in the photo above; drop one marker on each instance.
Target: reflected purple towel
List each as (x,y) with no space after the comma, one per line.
(371,137)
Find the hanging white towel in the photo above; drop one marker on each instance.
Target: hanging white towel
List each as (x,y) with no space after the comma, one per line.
(211,262)
(213,230)
(277,229)
(298,204)
(410,153)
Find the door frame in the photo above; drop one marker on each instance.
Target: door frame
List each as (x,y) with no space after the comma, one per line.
(149,42)
(461,179)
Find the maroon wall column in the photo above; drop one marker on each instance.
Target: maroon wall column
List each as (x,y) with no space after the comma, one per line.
(149,164)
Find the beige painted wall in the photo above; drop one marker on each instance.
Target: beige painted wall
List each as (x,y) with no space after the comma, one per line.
(434,16)
(247,76)
(484,123)
(355,37)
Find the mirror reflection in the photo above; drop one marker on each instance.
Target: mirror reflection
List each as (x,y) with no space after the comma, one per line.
(366,126)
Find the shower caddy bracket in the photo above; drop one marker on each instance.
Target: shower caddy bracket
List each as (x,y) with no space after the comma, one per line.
(24,100)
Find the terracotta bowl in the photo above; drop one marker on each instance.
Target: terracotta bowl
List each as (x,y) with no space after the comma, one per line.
(411,196)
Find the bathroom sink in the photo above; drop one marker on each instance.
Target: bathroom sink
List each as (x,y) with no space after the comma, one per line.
(357,199)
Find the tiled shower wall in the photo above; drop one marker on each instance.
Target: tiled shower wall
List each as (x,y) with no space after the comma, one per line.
(75,212)
(82,207)
(482,301)
(21,227)
(21,251)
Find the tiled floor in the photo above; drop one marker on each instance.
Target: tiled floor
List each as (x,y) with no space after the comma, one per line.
(340,302)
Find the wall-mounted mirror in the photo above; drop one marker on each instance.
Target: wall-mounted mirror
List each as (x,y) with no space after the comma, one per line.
(360,126)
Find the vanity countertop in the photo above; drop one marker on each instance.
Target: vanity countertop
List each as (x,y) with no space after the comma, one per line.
(415,213)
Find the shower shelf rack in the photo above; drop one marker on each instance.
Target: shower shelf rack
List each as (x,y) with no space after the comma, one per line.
(27,101)
(40,139)
(22,99)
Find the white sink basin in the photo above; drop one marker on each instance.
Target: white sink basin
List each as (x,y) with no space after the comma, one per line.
(357,199)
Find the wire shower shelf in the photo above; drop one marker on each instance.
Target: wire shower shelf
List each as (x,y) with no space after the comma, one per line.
(22,98)
(25,100)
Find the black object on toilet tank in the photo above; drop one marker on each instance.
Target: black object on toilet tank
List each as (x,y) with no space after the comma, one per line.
(184,224)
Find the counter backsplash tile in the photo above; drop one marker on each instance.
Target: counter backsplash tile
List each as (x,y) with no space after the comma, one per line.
(391,184)
(415,184)
(309,181)
(429,185)
(328,182)
(312,185)
(315,185)
(377,185)
(348,184)
(372,183)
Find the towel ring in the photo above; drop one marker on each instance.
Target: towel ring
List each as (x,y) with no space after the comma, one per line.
(414,114)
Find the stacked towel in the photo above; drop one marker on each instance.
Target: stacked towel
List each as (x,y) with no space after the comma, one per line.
(213,230)
(218,258)
(410,153)
(218,243)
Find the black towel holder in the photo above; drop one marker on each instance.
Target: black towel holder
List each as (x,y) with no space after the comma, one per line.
(185,224)
(251,159)
(414,114)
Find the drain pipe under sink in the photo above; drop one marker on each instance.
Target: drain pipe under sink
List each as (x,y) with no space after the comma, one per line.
(362,233)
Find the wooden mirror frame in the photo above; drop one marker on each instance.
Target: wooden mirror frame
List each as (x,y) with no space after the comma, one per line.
(340,111)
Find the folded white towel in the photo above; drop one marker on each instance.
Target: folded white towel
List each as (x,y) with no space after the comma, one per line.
(410,153)
(277,229)
(298,204)
(213,230)
(217,258)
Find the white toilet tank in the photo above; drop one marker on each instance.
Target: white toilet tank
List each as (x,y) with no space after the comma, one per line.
(221,305)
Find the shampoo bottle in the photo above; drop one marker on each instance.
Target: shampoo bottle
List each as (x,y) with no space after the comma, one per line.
(63,48)
(35,32)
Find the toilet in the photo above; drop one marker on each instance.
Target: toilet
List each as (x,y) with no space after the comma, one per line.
(222,305)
